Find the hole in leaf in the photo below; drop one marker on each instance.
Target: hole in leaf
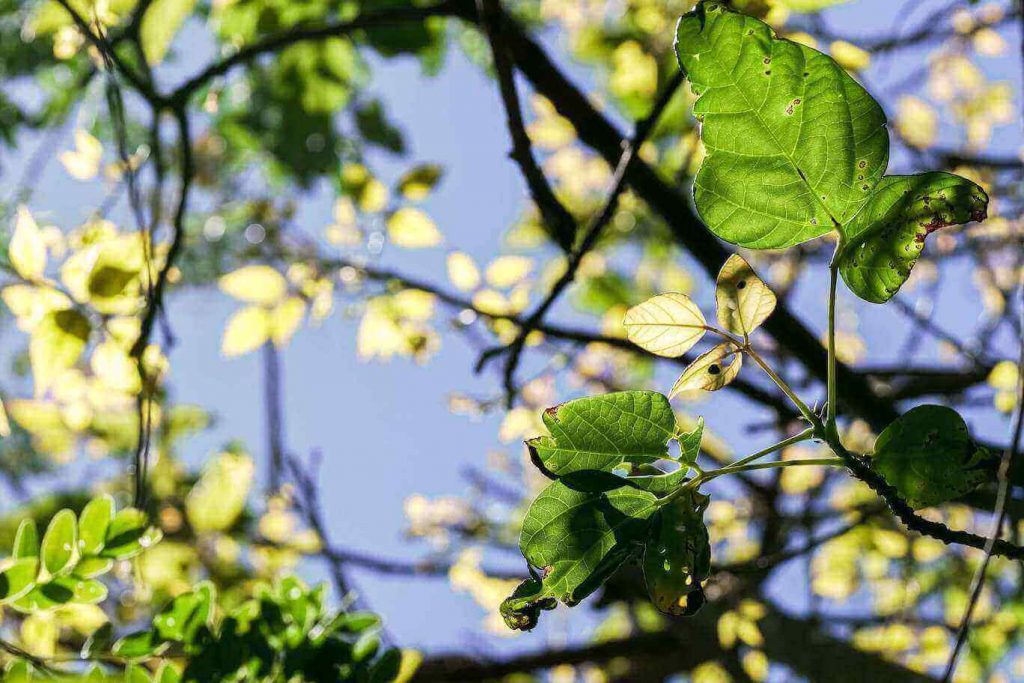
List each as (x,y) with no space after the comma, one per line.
(714,369)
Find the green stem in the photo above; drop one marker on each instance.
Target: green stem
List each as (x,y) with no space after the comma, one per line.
(802,436)
(776,464)
(781,383)
(833,404)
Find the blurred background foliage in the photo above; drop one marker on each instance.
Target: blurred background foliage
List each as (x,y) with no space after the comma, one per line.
(206,125)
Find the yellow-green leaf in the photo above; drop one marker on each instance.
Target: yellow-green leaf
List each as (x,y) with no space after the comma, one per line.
(413,229)
(247,330)
(744,300)
(160,24)
(218,498)
(258,284)
(27,249)
(710,371)
(285,320)
(57,343)
(462,271)
(666,325)
(59,541)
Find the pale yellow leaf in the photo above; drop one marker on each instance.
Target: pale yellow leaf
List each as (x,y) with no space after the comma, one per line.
(285,320)
(506,271)
(462,271)
(413,229)
(161,22)
(744,300)
(83,162)
(257,284)
(247,330)
(115,368)
(56,344)
(218,498)
(849,56)
(5,425)
(27,250)
(710,370)
(30,303)
(665,325)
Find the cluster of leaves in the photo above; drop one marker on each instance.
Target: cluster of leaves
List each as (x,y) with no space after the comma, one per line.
(795,149)
(74,551)
(284,632)
(590,520)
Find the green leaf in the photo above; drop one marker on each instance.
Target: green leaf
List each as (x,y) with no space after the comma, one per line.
(59,541)
(98,642)
(579,537)
(677,558)
(794,144)
(137,645)
(134,673)
(661,484)
(89,567)
(603,432)
(57,343)
(183,618)
(160,24)
(884,240)
(26,540)
(928,456)
(125,535)
(18,579)
(167,674)
(93,524)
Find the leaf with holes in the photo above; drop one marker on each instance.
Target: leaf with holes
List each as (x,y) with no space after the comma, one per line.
(677,558)
(666,325)
(577,536)
(928,456)
(603,432)
(794,144)
(710,371)
(884,240)
(744,300)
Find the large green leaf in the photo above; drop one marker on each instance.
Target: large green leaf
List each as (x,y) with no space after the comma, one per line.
(603,432)
(928,456)
(660,483)
(794,144)
(883,241)
(678,557)
(577,537)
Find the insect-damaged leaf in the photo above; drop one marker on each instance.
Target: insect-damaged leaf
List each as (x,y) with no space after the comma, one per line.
(665,325)
(794,144)
(602,432)
(578,538)
(885,239)
(663,483)
(710,371)
(744,300)
(928,456)
(677,558)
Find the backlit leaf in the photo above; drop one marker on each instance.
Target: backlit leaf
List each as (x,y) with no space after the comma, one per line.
(665,325)
(83,162)
(218,498)
(18,578)
(417,183)
(794,145)
(27,250)
(744,300)
(885,239)
(56,344)
(247,330)
(127,536)
(928,456)
(506,271)
(462,271)
(59,541)
(256,284)
(602,432)
(413,229)
(93,524)
(678,556)
(160,23)
(26,540)
(577,538)
(285,320)
(710,371)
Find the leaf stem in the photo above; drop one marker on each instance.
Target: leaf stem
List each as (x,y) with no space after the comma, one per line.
(775,464)
(781,383)
(785,443)
(833,404)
